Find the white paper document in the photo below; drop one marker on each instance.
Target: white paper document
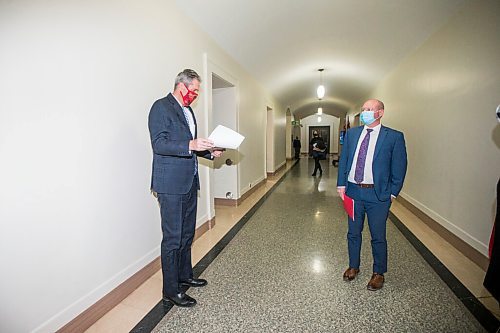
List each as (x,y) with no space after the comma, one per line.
(224,137)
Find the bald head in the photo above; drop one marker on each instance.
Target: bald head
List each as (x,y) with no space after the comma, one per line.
(377,103)
(377,107)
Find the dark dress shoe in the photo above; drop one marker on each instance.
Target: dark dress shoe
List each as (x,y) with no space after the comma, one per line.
(194,282)
(180,299)
(350,274)
(376,282)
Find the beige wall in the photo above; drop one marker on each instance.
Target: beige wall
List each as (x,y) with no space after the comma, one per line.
(443,98)
(77,81)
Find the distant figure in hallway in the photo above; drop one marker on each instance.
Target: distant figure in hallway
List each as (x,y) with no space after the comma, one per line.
(318,149)
(372,169)
(296,147)
(173,132)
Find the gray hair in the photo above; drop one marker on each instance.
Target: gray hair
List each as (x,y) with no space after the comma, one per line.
(186,76)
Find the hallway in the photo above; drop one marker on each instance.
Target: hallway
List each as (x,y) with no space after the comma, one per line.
(282,272)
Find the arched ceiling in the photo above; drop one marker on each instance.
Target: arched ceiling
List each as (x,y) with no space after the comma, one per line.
(283,43)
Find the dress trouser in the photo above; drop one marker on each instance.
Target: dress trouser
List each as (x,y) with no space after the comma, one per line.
(317,165)
(367,203)
(178,222)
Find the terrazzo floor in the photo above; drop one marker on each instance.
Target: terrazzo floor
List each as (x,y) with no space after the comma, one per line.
(282,272)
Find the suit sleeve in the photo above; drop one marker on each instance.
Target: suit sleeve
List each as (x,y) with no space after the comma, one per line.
(342,173)
(399,164)
(159,132)
(205,154)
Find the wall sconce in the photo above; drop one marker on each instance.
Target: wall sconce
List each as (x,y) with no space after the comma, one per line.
(320,111)
(319,119)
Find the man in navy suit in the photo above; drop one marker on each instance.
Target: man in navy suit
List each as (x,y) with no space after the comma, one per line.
(173,132)
(372,169)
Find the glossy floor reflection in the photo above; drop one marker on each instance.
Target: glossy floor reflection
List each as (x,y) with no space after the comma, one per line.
(282,272)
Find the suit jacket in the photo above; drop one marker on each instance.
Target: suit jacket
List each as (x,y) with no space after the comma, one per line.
(389,161)
(173,164)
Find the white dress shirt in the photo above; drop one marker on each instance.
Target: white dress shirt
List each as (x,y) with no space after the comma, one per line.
(368,175)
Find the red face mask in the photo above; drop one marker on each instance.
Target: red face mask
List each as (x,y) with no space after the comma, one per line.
(189,97)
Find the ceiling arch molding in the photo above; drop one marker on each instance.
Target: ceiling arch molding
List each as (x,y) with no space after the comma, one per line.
(332,106)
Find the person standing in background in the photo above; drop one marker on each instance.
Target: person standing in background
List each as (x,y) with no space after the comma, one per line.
(372,169)
(318,147)
(175,181)
(296,147)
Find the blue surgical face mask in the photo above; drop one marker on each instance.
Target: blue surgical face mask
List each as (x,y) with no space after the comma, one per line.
(368,117)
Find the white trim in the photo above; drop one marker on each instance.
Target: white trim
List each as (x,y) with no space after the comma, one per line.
(247,188)
(280,165)
(201,220)
(73,310)
(457,231)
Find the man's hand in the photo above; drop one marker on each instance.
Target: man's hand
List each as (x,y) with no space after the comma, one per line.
(200,144)
(341,192)
(217,152)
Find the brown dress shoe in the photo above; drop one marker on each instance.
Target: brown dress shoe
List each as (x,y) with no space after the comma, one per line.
(376,282)
(350,274)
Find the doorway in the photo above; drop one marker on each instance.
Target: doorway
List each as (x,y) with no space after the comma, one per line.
(224,106)
(356,121)
(323,132)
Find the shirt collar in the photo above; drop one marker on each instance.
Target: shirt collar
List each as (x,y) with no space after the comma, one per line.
(182,106)
(375,129)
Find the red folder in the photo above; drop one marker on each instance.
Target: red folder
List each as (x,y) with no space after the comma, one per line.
(349,206)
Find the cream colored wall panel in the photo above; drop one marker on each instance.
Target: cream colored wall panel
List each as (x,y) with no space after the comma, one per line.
(443,98)
(78,80)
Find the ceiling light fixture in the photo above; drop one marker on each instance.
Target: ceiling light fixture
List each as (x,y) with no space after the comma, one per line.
(320,111)
(321,88)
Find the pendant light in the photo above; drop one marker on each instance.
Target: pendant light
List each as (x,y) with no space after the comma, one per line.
(321,88)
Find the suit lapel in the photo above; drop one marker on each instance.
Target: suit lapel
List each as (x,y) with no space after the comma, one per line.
(380,141)
(354,143)
(180,112)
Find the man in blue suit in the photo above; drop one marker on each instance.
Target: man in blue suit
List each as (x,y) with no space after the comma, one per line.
(372,169)
(173,132)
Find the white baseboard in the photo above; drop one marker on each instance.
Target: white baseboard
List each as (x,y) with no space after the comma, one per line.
(69,313)
(457,231)
(200,220)
(247,188)
(280,165)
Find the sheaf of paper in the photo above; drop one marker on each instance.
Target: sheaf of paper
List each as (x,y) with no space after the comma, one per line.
(224,137)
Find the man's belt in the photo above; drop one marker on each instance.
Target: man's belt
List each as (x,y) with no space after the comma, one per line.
(365,185)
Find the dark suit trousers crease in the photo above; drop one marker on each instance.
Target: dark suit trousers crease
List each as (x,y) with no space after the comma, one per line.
(367,203)
(178,223)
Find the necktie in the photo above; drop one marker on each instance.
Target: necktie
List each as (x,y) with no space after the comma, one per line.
(360,163)
(186,110)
